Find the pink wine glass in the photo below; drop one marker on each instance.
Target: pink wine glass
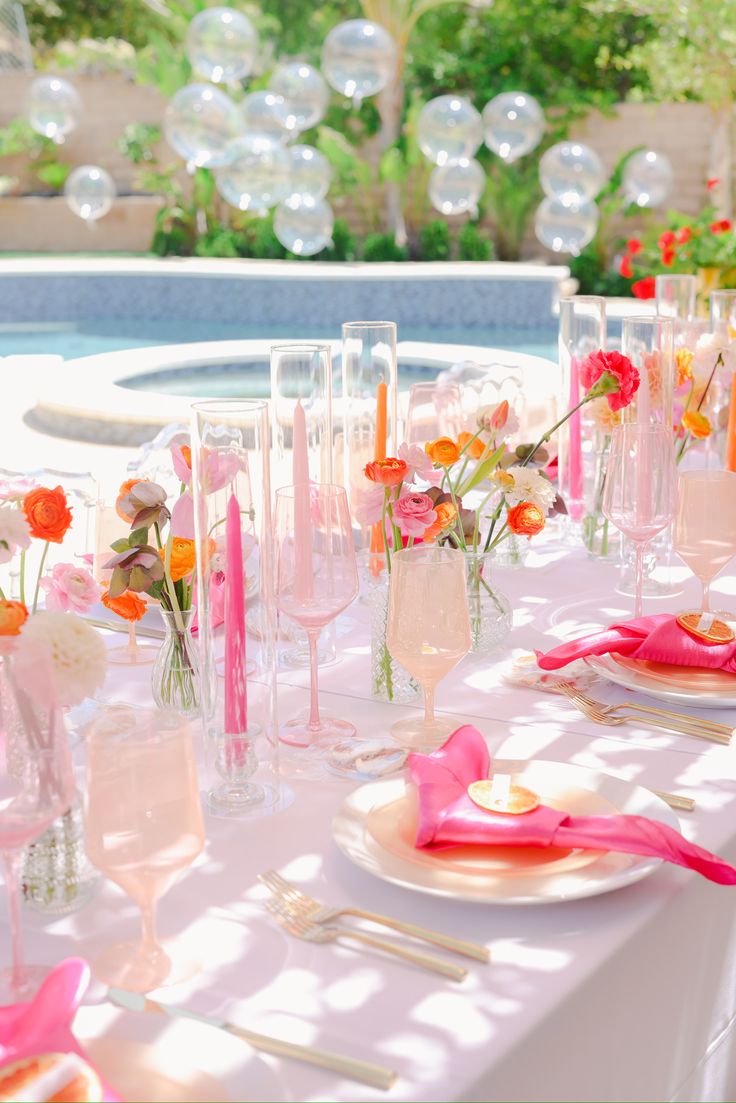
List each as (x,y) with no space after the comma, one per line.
(316,579)
(705,524)
(639,495)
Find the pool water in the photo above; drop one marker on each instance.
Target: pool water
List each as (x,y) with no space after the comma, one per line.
(87,338)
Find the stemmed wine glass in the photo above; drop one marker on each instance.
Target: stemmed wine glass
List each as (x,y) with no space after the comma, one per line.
(705,524)
(639,495)
(428,630)
(143,827)
(36,786)
(316,579)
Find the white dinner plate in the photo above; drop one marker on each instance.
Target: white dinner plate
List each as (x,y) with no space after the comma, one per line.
(162,1059)
(375,827)
(702,689)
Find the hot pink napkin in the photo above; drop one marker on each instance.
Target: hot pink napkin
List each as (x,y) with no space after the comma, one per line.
(45,1024)
(659,639)
(448,817)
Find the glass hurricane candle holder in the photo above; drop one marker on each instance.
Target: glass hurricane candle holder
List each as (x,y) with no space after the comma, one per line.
(231,481)
(675,296)
(433,410)
(649,345)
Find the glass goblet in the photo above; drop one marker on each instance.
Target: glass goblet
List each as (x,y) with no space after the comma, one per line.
(705,524)
(316,579)
(428,630)
(143,828)
(639,495)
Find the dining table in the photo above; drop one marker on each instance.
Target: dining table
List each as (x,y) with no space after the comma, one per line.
(627,995)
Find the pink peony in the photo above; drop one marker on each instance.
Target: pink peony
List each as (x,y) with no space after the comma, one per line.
(413,514)
(70,589)
(611,374)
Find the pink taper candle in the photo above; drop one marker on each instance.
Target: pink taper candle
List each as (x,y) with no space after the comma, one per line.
(236,697)
(575,445)
(302,525)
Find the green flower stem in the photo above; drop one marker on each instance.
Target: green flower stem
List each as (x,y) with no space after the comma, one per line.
(497,513)
(459,520)
(545,439)
(175,609)
(44,553)
(504,532)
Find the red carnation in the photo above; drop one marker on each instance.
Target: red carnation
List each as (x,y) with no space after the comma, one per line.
(634,246)
(667,239)
(644,288)
(726,225)
(684,235)
(625,268)
(668,257)
(611,374)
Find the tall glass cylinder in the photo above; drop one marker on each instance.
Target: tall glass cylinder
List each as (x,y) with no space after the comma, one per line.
(649,345)
(368,360)
(582,331)
(302,373)
(676,296)
(723,325)
(231,468)
(433,409)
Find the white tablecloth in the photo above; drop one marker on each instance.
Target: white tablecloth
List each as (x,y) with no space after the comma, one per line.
(626,996)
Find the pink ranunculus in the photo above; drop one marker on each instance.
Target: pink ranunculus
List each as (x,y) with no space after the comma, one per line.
(419,464)
(70,589)
(611,374)
(414,513)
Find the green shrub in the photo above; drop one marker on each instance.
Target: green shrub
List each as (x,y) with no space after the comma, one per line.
(434,241)
(343,243)
(220,241)
(594,278)
(265,245)
(474,243)
(378,247)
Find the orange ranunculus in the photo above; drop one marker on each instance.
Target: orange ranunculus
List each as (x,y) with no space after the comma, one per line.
(47,513)
(183,557)
(475,448)
(388,472)
(443,451)
(683,363)
(129,605)
(125,488)
(13,615)
(526,519)
(446,516)
(696,424)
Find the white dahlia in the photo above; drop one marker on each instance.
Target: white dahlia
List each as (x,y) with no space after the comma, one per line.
(77,653)
(530,486)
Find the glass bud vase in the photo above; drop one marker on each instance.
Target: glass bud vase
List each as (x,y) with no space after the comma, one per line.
(601,539)
(175,673)
(56,875)
(389,680)
(491,618)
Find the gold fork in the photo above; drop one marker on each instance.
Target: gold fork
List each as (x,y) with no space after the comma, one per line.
(309,908)
(315,932)
(613,715)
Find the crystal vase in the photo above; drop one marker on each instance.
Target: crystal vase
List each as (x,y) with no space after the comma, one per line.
(389,680)
(175,673)
(601,539)
(491,618)
(56,875)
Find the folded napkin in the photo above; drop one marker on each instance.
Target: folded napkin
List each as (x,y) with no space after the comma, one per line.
(659,639)
(448,817)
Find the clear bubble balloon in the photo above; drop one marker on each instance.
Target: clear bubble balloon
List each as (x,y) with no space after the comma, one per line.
(258,177)
(222,44)
(267,113)
(201,123)
(449,129)
(571,173)
(648,179)
(563,228)
(90,192)
(457,187)
(513,123)
(359,58)
(305,91)
(53,107)
(304,225)
(310,173)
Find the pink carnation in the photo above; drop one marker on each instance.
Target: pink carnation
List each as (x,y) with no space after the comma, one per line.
(414,513)
(70,589)
(611,374)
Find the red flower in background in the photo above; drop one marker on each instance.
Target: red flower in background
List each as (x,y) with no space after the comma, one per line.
(713,183)
(634,246)
(684,235)
(645,288)
(668,257)
(722,226)
(666,239)
(625,268)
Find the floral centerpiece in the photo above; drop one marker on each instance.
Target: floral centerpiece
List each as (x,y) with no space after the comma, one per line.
(475,492)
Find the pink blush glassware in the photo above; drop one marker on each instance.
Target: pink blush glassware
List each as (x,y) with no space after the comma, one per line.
(705,524)
(316,579)
(639,496)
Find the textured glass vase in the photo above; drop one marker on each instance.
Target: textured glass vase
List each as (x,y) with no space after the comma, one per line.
(56,875)
(491,618)
(389,680)
(175,673)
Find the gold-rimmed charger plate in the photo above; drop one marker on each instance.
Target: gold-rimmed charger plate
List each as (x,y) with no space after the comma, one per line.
(376,824)
(694,686)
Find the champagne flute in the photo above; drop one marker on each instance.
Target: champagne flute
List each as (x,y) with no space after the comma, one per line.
(639,495)
(428,630)
(36,786)
(143,827)
(705,524)
(316,579)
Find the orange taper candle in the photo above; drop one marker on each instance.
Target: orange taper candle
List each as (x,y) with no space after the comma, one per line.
(731,432)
